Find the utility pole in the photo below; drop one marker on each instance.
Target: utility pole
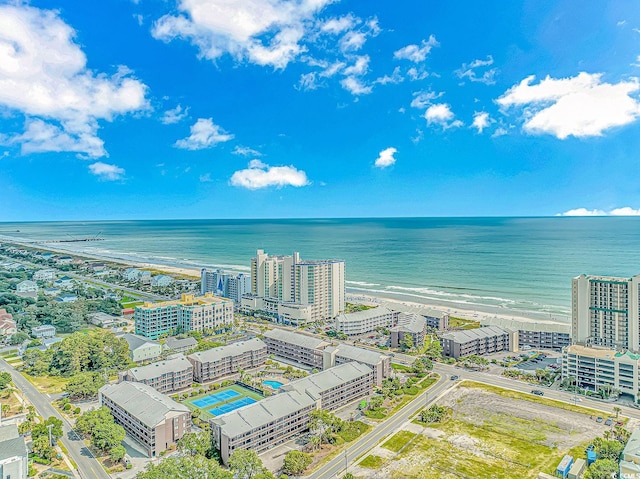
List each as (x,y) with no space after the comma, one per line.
(49,427)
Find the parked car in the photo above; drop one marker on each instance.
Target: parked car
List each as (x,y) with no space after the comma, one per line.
(454,377)
(599,419)
(537,392)
(608,422)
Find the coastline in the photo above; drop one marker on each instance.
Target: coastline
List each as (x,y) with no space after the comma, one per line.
(470,311)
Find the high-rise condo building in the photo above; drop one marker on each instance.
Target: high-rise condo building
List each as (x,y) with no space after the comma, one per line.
(605,311)
(227,285)
(295,290)
(189,313)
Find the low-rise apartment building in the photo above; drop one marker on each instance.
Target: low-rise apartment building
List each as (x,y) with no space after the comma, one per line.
(180,345)
(154,420)
(380,364)
(436,319)
(226,360)
(43,331)
(44,275)
(366,321)
(277,419)
(295,347)
(409,324)
(142,349)
(596,368)
(537,334)
(189,313)
(27,286)
(488,340)
(165,376)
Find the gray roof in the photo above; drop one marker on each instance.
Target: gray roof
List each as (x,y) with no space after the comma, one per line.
(410,323)
(404,308)
(542,326)
(473,334)
(365,314)
(176,364)
(142,401)
(135,341)
(303,340)
(235,349)
(318,383)
(174,343)
(11,443)
(42,327)
(263,412)
(361,355)
(633,444)
(100,316)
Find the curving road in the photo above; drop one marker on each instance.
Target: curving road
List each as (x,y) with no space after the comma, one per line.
(88,465)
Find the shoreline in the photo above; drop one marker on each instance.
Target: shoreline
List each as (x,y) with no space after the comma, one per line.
(465,310)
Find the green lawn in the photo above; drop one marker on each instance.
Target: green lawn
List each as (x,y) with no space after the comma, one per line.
(399,440)
(460,323)
(372,462)
(47,384)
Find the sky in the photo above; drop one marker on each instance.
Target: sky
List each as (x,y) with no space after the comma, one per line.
(150,109)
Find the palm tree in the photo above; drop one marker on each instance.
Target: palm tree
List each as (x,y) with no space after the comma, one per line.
(617,410)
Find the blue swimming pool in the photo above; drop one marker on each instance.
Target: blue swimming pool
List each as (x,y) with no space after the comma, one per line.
(231,406)
(272,384)
(216,398)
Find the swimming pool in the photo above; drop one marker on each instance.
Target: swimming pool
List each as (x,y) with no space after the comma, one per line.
(272,384)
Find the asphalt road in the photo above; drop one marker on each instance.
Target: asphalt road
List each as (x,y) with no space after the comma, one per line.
(88,466)
(338,466)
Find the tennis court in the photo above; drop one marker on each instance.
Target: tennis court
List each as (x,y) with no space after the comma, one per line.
(216,398)
(231,406)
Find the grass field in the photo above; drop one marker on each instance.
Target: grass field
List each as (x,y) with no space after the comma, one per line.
(47,384)
(460,323)
(204,412)
(372,462)
(399,440)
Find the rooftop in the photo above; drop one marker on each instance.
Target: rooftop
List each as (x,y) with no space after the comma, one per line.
(142,401)
(538,325)
(175,343)
(364,314)
(136,341)
(410,323)
(234,349)
(11,443)
(473,334)
(600,352)
(633,444)
(358,354)
(405,308)
(318,383)
(176,364)
(303,340)
(188,300)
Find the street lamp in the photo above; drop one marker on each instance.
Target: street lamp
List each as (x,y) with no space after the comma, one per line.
(49,428)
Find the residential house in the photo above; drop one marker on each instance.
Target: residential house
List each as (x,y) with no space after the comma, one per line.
(43,331)
(44,275)
(131,274)
(180,345)
(64,283)
(14,455)
(67,298)
(51,291)
(103,320)
(142,349)
(27,286)
(8,325)
(161,280)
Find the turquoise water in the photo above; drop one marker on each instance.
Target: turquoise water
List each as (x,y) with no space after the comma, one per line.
(524,264)
(273,384)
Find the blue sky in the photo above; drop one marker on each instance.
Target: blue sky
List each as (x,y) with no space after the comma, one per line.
(317,108)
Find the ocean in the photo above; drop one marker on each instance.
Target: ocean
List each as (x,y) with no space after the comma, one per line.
(517,264)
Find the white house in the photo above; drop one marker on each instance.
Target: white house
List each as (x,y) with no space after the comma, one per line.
(65,283)
(132,274)
(67,298)
(27,287)
(161,280)
(44,275)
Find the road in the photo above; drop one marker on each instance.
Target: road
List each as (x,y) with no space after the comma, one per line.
(88,466)
(338,465)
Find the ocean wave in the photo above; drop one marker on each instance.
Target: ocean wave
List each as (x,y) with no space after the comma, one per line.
(362,283)
(453,295)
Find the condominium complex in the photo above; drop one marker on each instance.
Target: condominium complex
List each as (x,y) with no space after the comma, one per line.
(319,354)
(488,340)
(296,291)
(14,456)
(279,418)
(605,311)
(534,335)
(226,360)
(189,313)
(166,376)
(411,325)
(435,319)
(363,322)
(154,420)
(594,368)
(228,285)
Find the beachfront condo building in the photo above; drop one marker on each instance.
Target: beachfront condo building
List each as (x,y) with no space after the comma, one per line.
(154,420)
(538,334)
(225,284)
(435,319)
(226,360)
(189,313)
(296,291)
(363,322)
(278,418)
(172,374)
(315,353)
(605,311)
(409,325)
(481,341)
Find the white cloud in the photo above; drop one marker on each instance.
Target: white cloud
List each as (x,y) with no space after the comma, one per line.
(395,77)
(338,25)
(204,134)
(265,32)
(623,211)
(355,86)
(359,67)
(581,106)
(260,175)
(245,151)
(386,158)
(175,115)
(44,75)
(416,53)
(106,172)
(352,41)
(308,81)
(481,120)
(206,178)
(468,71)
(422,99)
(415,74)
(441,114)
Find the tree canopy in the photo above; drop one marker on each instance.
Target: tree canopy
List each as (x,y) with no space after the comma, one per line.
(185,467)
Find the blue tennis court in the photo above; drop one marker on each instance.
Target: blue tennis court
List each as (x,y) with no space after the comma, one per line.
(232,406)
(216,398)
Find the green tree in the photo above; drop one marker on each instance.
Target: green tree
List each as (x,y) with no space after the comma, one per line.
(434,351)
(295,462)
(196,444)
(247,465)
(42,429)
(608,449)
(5,380)
(407,342)
(85,385)
(106,436)
(602,469)
(185,467)
(42,448)
(117,453)
(19,338)
(324,424)
(348,475)
(376,402)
